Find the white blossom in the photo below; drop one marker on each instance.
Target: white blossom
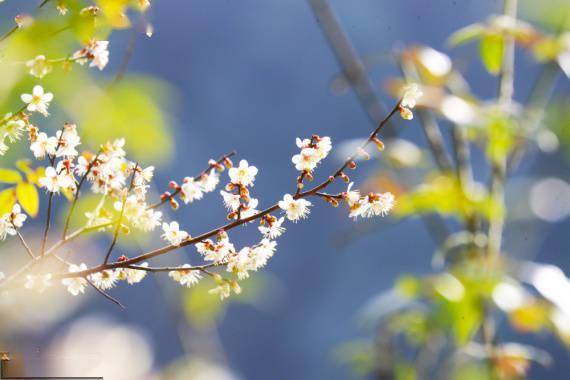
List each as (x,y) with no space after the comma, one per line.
(39,66)
(209,181)
(43,145)
(231,201)
(243,175)
(274,230)
(135,276)
(377,204)
(38,282)
(75,285)
(96,51)
(38,101)
(186,278)
(105,279)
(307,160)
(191,190)
(295,209)
(173,234)
(68,140)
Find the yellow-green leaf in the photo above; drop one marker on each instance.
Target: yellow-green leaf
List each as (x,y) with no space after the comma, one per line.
(28,197)
(9,176)
(491,50)
(467,34)
(7,200)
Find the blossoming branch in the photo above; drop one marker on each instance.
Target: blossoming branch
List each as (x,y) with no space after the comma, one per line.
(110,175)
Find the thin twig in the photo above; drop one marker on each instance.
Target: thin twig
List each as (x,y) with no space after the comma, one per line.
(231,225)
(211,166)
(26,246)
(76,195)
(121,214)
(105,294)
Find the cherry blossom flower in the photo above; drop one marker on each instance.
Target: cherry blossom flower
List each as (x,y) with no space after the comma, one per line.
(243,175)
(191,190)
(295,209)
(173,234)
(75,285)
(186,278)
(352,197)
(13,128)
(17,217)
(43,145)
(105,279)
(55,180)
(307,160)
(38,101)
(274,230)
(231,201)
(39,282)
(262,253)
(209,181)
(68,140)
(96,51)
(377,204)
(135,276)
(411,94)
(39,66)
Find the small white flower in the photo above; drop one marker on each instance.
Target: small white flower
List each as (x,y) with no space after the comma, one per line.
(294,208)
(273,231)
(262,253)
(224,290)
(135,276)
(39,66)
(39,282)
(43,145)
(38,100)
(96,51)
(377,204)
(352,197)
(173,234)
(68,140)
(13,128)
(240,263)
(105,279)
(186,278)
(54,182)
(307,160)
(75,285)
(231,201)
(191,190)
(411,94)
(17,217)
(6,227)
(324,146)
(209,181)
(243,175)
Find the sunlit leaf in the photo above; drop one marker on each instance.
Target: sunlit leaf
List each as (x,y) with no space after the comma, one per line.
(28,198)
(491,49)
(466,34)
(10,176)
(7,200)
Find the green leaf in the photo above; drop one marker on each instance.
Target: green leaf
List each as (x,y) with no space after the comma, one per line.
(10,176)
(467,34)
(491,50)
(28,197)
(7,200)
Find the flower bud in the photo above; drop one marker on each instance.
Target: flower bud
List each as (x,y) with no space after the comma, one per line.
(379,144)
(174,204)
(344,177)
(352,165)
(364,154)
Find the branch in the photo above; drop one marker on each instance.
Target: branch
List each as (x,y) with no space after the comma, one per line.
(76,195)
(120,220)
(312,192)
(26,247)
(211,166)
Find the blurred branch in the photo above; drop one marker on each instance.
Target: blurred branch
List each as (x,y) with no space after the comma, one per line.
(349,60)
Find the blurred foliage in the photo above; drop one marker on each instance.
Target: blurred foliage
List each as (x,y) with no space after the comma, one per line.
(446,324)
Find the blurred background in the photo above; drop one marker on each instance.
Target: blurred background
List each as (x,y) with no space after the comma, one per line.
(253,75)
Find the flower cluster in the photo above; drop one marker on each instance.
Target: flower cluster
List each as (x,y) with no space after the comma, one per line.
(411,94)
(123,187)
(11,222)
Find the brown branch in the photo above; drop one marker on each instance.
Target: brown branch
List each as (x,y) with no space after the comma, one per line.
(211,166)
(121,214)
(26,246)
(76,195)
(231,225)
